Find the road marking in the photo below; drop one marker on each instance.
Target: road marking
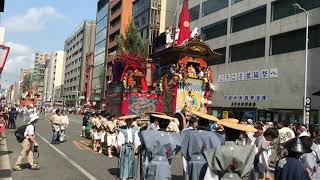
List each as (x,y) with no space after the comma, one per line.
(74,164)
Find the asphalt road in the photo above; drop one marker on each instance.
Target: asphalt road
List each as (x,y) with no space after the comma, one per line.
(72,160)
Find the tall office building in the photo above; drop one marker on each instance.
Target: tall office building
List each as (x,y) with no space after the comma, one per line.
(39,71)
(263,43)
(152,17)
(59,60)
(77,46)
(24,72)
(100,53)
(119,17)
(53,76)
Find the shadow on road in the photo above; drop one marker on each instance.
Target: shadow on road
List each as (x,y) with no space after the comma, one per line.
(113,171)
(5,152)
(5,173)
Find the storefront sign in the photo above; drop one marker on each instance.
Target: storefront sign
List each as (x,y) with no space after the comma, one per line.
(245,98)
(308,108)
(249,75)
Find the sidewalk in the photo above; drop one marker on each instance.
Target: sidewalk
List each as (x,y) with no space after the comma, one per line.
(5,170)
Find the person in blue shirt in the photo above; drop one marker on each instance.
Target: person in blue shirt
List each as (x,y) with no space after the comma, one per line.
(12,118)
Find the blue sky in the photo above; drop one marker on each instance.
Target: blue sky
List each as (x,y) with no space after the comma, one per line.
(39,25)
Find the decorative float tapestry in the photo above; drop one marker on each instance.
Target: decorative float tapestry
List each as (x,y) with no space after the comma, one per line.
(197,88)
(141,103)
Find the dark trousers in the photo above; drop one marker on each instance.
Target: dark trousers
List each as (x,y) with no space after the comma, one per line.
(12,124)
(55,136)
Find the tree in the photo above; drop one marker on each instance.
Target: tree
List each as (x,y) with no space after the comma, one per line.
(131,42)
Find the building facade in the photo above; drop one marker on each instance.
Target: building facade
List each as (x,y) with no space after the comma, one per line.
(39,71)
(59,59)
(120,13)
(88,80)
(77,46)
(152,17)
(54,76)
(263,44)
(100,52)
(24,72)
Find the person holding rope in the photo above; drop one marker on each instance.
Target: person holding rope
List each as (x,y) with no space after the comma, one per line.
(29,145)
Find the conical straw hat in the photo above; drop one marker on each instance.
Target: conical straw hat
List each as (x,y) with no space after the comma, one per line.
(204,115)
(133,116)
(231,123)
(160,116)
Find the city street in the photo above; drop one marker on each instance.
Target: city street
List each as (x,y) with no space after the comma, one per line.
(70,160)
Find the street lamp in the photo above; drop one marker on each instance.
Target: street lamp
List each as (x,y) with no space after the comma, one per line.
(297,6)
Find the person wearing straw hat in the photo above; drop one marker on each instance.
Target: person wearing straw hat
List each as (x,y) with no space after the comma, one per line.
(162,145)
(143,157)
(154,121)
(55,121)
(110,127)
(28,144)
(196,141)
(231,161)
(291,167)
(128,142)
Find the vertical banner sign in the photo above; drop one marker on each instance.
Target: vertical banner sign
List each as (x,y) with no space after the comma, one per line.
(308,108)
(4,51)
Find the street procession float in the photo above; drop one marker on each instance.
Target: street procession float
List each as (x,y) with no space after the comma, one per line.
(180,78)
(174,79)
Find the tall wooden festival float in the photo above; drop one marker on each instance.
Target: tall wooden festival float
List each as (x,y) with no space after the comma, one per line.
(181,70)
(129,93)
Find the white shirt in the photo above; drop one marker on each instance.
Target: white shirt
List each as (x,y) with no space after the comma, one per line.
(121,138)
(64,120)
(29,131)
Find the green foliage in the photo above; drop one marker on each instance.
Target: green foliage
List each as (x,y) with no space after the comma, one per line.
(132,41)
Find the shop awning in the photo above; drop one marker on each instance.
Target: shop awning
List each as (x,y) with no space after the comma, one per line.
(316,93)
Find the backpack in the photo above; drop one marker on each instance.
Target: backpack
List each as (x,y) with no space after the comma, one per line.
(19,133)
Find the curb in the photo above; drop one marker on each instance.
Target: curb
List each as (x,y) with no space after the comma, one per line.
(5,170)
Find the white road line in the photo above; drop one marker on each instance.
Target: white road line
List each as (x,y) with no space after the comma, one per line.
(74,164)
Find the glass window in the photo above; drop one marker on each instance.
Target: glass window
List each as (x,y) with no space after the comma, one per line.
(219,60)
(194,13)
(247,50)
(101,35)
(97,83)
(99,59)
(295,40)
(284,8)
(102,24)
(102,12)
(101,47)
(115,22)
(249,19)
(211,6)
(214,30)
(98,71)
